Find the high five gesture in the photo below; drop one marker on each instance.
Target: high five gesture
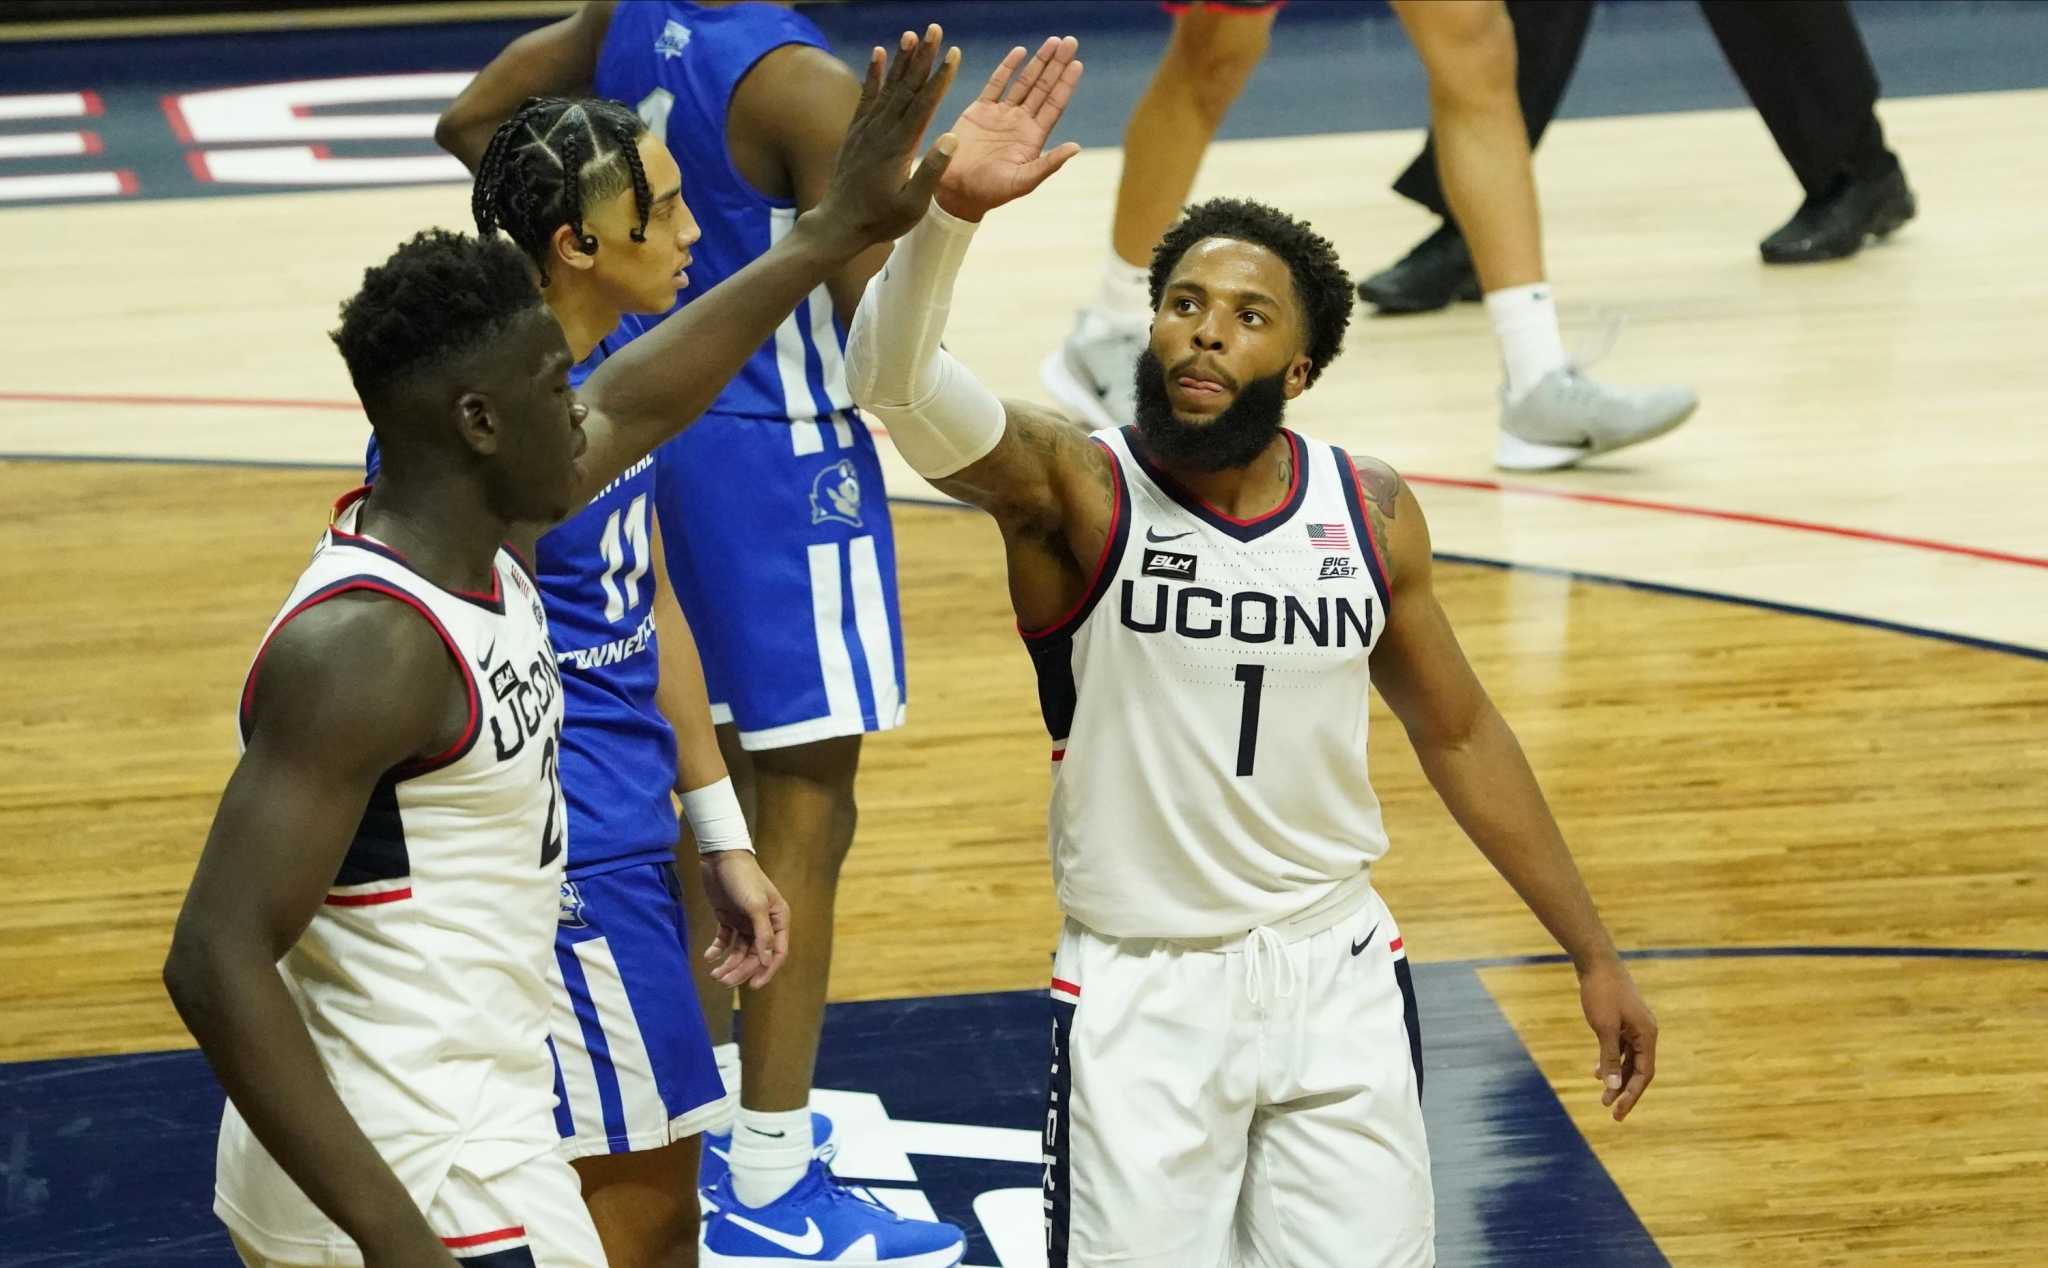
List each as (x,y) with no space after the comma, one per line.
(1001,136)
(869,197)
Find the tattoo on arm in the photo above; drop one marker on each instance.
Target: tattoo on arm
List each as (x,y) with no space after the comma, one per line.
(1030,479)
(1381,485)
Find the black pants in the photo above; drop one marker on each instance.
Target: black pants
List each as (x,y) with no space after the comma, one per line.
(1802,62)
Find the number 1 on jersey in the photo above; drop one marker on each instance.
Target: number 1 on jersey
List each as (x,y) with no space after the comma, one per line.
(1254,679)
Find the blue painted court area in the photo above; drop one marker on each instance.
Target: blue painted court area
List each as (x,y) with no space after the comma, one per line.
(109,1160)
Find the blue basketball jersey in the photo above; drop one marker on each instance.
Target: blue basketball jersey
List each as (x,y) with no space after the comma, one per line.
(671,60)
(596,573)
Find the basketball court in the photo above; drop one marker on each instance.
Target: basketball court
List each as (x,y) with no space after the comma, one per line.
(1784,673)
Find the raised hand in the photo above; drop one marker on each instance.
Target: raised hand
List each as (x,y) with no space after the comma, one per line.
(1001,136)
(869,199)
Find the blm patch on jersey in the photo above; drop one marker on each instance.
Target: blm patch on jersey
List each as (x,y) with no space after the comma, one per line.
(1170,565)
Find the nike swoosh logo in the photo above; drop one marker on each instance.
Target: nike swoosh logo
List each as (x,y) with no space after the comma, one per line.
(761,1131)
(1364,942)
(809,1243)
(1154,535)
(484,661)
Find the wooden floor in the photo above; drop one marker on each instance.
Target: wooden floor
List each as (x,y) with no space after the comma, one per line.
(1732,776)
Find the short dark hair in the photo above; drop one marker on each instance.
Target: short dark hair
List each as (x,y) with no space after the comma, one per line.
(551,159)
(1320,283)
(439,296)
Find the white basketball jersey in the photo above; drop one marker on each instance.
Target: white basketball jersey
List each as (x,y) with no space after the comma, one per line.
(1208,704)
(424,978)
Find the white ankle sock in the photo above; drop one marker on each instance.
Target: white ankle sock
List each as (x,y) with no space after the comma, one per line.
(1126,290)
(728,1057)
(770,1153)
(1525,323)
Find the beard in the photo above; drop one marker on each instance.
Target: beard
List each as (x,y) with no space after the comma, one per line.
(1231,439)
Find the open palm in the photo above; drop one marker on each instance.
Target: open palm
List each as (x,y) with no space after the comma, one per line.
(1001,136)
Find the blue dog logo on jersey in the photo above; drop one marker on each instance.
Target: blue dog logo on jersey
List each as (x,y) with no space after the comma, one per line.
(572,907)
(672,39)
(835,494)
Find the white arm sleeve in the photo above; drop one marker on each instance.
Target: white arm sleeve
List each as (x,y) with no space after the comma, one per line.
(939,415)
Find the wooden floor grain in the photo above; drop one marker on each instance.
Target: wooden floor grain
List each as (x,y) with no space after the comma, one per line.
(1730,775)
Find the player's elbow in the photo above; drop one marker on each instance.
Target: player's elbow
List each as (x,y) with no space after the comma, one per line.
(1449,733)
(863,365)
(192,973)
(199,972)
(459,136)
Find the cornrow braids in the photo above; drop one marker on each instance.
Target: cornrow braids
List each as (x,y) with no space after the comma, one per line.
(643,193)
(572,192)
(550,161)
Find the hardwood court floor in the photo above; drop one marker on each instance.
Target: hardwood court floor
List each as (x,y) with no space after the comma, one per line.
(1729,777)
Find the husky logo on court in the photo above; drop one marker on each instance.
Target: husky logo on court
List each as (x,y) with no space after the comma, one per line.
(673,38)
(572,907)
(835,494)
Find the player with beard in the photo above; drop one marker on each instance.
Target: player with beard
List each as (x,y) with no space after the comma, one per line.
(1206,596)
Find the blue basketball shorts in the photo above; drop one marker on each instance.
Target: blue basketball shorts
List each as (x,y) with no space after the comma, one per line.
(780,549)
(633,1063)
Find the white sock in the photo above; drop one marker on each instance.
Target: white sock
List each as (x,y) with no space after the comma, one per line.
(1525,323)
(728,1057)
(770,1153)
(1126,293)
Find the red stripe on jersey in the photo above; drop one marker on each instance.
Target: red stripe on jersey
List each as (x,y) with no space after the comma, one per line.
(480,1239)
(1286,503)
(1060,984)
(1372,539)
(1059,755)
(471,729)
(1116,514)
(368,900)
(1395,945)
(495,599)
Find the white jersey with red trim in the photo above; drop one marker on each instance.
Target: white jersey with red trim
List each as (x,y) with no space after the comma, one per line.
(1207,702)
(424,977)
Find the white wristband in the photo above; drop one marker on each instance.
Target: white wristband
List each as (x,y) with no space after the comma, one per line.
(715,818)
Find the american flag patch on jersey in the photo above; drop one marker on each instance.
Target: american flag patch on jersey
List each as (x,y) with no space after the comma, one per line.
(1329,537)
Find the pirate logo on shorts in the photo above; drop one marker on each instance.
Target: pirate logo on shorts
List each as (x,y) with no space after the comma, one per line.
(835,494)
(572,907)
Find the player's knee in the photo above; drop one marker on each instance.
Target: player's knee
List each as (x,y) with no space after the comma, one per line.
(1469,54)
(845,818)
(1215,55)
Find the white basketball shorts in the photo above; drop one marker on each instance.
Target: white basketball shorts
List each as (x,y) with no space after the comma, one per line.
(1255,1105)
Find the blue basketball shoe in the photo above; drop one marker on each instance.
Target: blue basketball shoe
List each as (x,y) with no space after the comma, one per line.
(822,1221)
(717,1163)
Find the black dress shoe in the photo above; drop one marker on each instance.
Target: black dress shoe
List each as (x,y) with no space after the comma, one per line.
(1835,224)
(1436,272)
